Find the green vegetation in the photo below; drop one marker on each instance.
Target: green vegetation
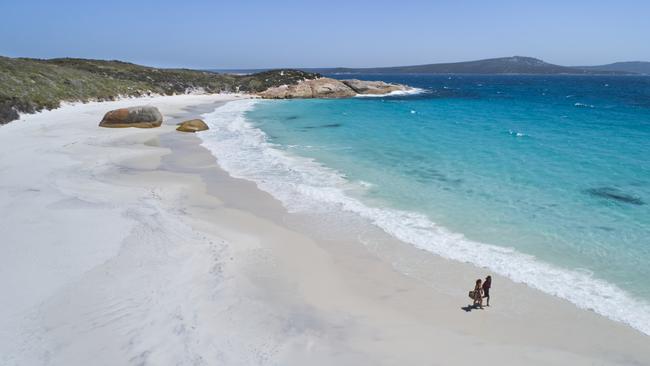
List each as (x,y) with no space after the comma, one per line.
(30,85)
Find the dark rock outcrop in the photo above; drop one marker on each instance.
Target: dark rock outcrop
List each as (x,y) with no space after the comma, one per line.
(193,125)
(141,117)
(7,112)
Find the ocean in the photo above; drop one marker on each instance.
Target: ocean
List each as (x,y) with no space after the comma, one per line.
(542,179)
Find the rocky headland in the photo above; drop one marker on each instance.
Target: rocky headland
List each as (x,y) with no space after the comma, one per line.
(331,88)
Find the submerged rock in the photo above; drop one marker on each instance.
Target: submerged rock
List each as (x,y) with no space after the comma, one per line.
(141,117)
(615,194)
(330,88)
(193,125)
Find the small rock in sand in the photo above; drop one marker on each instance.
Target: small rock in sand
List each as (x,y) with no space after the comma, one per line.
(193,125)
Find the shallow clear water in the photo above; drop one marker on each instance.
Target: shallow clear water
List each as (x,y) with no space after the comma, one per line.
(554,169)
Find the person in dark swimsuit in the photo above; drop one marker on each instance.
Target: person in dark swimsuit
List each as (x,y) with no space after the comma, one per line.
(486,289)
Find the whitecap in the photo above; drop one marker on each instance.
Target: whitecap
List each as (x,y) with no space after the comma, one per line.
(516,134)
(583,105)
(395,93)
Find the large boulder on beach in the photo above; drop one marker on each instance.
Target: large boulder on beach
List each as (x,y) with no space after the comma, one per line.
(193,125)
(372,87)
(141,117)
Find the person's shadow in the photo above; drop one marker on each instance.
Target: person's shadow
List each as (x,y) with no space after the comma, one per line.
(469,308)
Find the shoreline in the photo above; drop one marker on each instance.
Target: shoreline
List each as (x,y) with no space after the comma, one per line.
(235,277)
(305,185)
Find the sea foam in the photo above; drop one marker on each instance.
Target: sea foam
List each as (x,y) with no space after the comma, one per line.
(395,93)
(304,185)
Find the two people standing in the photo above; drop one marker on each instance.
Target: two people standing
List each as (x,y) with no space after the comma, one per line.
(481,290)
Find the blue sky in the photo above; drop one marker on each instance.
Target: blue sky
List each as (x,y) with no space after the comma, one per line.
(252,34)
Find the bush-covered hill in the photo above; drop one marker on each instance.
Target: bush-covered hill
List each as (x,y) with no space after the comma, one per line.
(29,85)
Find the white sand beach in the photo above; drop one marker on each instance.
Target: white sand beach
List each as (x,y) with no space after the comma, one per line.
(133,247)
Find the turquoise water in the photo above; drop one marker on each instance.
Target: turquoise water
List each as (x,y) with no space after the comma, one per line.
(533,177)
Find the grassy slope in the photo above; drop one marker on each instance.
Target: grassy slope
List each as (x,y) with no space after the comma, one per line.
(29,85)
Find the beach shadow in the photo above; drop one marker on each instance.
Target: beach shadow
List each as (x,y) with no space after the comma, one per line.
(469,308)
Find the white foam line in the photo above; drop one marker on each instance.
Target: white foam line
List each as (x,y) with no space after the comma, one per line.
(303,184)
(410,91)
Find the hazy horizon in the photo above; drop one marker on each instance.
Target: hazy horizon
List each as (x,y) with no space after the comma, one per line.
(259,35)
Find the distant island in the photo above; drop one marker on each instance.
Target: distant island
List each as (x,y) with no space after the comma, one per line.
(501,65)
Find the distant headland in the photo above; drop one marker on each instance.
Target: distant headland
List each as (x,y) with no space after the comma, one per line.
(501,65)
